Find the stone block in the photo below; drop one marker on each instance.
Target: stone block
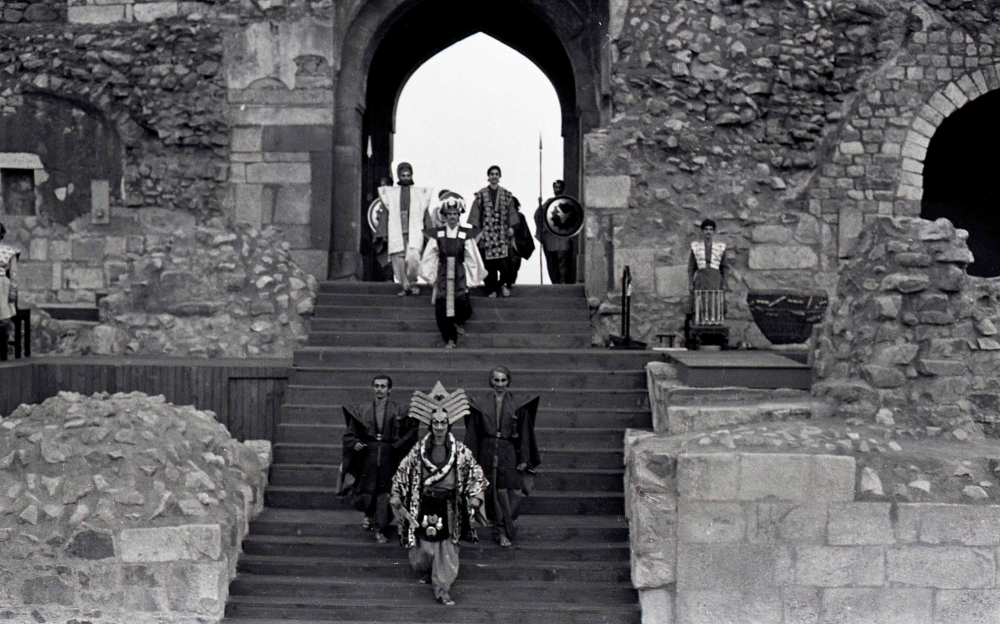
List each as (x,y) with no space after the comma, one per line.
(967,607)
(840,566)
(312,261)
(655,569)
(729,607)
(708,477)
(247,139)
(726,566)
(801,604)
(297,236)
(179,543)
(833,478)
(855,524)
(34,275)
(781,476)
(671,281)
(115,246)
(38,249)
(279,173)
(297,139)
(91,545)
(322,197)
(249,115)
(778,257)
(248,202)
(47,590)
(770,234)
(607,191)
(196,588)
(60,250)
(652,525)
(788,523)
(152,11)
(84,278)
(959,524)
(641,263)
(87,249)
(877,605)
(943,567)
(657,605)
(293,204)
(850,224)
(711,522)
(96,14)
(262,50)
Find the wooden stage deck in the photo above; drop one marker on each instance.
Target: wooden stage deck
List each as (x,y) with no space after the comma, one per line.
(748,369)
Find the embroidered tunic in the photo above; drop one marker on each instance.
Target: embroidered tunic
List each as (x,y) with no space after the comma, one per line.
(707,268)
(493,220)
(418,473)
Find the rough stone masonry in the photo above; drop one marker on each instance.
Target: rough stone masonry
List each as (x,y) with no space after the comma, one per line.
(122,508)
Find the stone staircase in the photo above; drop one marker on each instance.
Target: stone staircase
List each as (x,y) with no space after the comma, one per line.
(306,557)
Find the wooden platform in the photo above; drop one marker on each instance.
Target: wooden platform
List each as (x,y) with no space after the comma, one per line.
(747,369)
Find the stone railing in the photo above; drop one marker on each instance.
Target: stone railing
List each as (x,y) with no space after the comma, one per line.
(771,538)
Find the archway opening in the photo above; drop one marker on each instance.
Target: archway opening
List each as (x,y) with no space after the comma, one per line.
(386,42)
(476,104)
(960,173)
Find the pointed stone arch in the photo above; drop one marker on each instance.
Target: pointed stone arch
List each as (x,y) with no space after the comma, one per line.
(562,37)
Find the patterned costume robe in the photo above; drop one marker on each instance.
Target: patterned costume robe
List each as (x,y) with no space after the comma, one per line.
(493,222)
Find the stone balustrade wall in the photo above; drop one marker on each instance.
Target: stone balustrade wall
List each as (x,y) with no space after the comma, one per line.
(780,538)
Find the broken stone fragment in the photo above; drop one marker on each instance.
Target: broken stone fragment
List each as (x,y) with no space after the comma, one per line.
(870,482)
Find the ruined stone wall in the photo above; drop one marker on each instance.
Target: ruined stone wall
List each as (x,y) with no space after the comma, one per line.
(791,125)
(772,538)
(911,334)
(122,508)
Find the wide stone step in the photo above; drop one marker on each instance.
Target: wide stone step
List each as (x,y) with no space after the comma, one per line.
(550,503)
(567,360)
(489,611)
(687,395)
(475,326)
(326,475)
(634,379)
(285,453)
(479,313)
(539,571)
(390,288)
(622,399)
(433,339)
(687,418)
(350,588)
(346,524)
(308,546)
(547,437)
(423,302)
(637,418)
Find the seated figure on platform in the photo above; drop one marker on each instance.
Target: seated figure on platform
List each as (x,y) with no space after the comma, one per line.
(8,285)
(707,277)
(378,436)
(438,492)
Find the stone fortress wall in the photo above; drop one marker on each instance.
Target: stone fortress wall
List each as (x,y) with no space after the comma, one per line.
(793,126)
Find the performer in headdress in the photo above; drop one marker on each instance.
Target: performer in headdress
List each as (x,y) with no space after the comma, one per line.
(493,214)
(378,436)
(500,431)
(438,491)
(407,207)
(451,262)
(707,276)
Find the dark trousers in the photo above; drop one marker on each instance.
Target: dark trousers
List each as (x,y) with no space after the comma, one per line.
(561,265)
(498,274)
(463,310)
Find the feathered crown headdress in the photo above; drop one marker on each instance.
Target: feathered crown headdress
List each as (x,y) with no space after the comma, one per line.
(455,404)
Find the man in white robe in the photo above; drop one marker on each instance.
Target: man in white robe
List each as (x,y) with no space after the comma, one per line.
(407,217)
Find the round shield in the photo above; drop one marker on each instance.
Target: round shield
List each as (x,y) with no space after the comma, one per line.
(563,216)
(374,209)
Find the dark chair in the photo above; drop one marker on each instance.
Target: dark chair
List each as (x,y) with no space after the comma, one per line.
(22,336)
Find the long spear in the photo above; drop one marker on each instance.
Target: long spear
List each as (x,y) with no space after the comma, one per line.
(541,250)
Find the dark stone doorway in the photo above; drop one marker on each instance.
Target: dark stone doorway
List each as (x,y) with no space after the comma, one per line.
(960,174)
(388,41)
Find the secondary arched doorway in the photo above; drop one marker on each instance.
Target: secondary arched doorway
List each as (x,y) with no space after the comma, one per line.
(387,41)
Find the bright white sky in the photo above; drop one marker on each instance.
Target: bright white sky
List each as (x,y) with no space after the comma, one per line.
(476,104)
